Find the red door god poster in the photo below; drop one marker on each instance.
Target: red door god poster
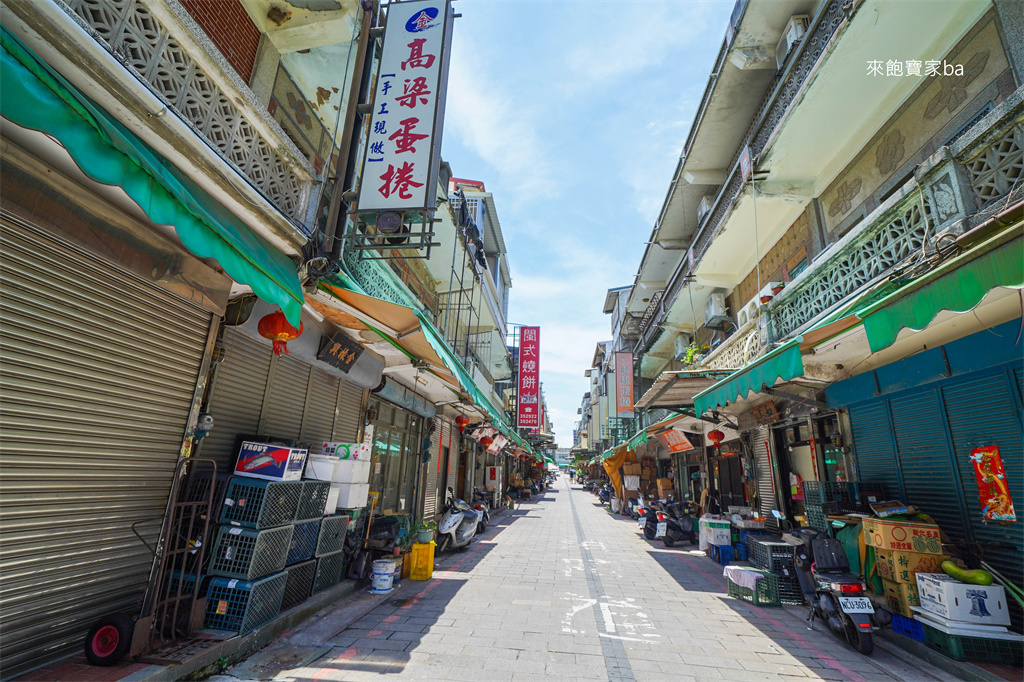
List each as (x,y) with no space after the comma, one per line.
(993,490)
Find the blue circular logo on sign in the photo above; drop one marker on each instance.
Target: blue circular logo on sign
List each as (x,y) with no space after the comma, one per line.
(421,21)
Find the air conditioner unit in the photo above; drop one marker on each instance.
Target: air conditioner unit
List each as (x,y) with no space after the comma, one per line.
(748,312)
(715,312)
(679,348)
(795,30)
(703,208)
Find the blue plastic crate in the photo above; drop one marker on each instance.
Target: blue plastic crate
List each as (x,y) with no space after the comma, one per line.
(721,554)
(908,627)
(742,553)
(255,503)
(303,544)
(312,500)
(249,554)
(242,606)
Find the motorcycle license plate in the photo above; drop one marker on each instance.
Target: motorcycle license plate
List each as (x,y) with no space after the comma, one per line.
(661,529)
(641,523)
(856,605)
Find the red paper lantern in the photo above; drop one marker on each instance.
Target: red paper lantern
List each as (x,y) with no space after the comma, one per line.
(275,327)
(462,421)
(486,441)
(716,437)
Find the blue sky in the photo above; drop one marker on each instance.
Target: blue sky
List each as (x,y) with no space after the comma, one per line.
(574,113)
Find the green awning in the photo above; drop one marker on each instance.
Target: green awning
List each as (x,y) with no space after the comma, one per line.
(639,438)
(781,364)
(36,97)
(957,285)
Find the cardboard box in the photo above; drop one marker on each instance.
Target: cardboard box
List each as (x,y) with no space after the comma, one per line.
(903,567)
(903,535)
(951,599)
(664,482)
(270,462)
(900,597)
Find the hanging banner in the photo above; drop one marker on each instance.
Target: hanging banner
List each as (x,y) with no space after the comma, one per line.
(528,409)
(400,166)
(993,490)
(675,441)
(624,385)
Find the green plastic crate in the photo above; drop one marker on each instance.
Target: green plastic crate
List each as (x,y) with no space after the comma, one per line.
(766,594)
(977,649)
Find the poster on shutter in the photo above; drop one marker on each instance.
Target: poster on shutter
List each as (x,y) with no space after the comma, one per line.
(529,378)
(408,108)
(993,490)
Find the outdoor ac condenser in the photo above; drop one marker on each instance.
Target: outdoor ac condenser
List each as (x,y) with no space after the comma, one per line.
(715,312)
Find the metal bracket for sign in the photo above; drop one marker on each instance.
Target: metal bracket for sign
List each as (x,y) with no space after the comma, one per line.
(415,233)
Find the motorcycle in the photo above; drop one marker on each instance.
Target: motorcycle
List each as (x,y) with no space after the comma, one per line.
(835,595)
(458,525)
(480,504)
(605,494)
(679,523)
(648,521)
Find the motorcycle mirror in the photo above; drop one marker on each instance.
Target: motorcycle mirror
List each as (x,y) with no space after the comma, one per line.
(777,514)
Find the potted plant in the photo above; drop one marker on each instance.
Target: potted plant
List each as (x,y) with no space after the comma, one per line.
(424,531)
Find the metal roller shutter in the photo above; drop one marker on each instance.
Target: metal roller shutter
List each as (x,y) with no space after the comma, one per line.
(236,397)
(100,368)
(351,405)
(286,399)
(765,478)
(430,486)
(925,459)
(983,412)
(321,409)
(873,442)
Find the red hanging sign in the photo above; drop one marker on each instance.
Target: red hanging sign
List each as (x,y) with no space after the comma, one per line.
(993,490)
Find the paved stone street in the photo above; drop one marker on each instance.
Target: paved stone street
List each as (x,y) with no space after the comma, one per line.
(560,589)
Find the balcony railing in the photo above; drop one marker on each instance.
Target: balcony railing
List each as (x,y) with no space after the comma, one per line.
(739,349)
(982,167)
(219,111)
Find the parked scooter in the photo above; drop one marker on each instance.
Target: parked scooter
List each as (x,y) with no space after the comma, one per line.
(648,521)
(679,519)
(480,505)
(835,595)
(605,493)
(458,525)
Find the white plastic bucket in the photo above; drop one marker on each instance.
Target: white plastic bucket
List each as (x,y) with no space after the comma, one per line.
(382,576)
(615,504)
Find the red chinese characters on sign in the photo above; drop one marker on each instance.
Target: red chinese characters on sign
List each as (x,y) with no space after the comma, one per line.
(623,384)
(675,441)
(528,409)
(993,489)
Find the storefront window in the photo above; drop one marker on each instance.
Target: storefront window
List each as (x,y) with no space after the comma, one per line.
(395,456)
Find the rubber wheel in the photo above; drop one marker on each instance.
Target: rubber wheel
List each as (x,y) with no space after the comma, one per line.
(109,639)
(648,532)
(668,542)
(864,643)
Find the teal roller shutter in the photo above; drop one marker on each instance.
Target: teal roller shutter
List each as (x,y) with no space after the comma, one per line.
(984,411)
(929,472)
(875,450)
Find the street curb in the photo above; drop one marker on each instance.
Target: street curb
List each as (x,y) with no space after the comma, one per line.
(237,649)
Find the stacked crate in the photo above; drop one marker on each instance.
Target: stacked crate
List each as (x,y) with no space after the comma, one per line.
(777,557)
(822,498)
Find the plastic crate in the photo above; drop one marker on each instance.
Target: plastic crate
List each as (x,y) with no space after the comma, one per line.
(312,500)
(255,503)
(303,543)
(332,535)
(721,554)
(329,571)
(978,649)
(742,553)
(908,627)
(249,554)
(766,592)
(171,580)
(243,605)
(421,560)
(198,488)
(770,553)
(299,585)
(759,533)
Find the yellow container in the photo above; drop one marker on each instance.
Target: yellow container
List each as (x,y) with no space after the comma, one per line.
(421,561)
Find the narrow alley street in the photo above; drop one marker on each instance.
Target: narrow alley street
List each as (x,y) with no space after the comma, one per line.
(560,589)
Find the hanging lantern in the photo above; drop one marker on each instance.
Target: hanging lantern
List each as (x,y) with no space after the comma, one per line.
(486,441)
(462,421)
(716,437)
(275,327)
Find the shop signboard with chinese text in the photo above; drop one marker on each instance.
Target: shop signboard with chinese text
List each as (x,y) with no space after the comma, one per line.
(340,351)
(675,441)
(528,410)
(624,385)
(400,166)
